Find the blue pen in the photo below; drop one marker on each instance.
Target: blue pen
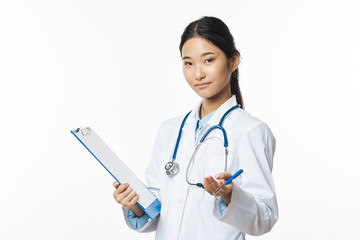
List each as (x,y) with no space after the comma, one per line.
(229,180)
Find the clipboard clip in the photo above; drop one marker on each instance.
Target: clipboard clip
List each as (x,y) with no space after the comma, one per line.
(84,131)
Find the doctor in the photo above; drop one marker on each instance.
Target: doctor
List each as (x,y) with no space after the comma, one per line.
(245,206)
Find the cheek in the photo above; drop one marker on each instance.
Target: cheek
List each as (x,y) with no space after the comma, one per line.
(226,72)
(219,72)
(187,74)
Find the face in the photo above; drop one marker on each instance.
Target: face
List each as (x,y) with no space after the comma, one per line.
(206,69)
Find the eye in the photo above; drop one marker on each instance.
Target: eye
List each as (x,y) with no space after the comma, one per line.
(209,60)
(187,63)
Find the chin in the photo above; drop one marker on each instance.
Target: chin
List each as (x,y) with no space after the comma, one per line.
(205,95)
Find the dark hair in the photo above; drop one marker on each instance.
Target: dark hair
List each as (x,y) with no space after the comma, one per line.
(215,31)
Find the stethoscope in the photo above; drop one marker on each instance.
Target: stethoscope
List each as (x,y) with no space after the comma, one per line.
(172,167)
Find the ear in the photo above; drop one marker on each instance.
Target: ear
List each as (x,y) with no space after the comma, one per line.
(235,61)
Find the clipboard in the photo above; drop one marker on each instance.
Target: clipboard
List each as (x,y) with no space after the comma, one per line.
(118,169)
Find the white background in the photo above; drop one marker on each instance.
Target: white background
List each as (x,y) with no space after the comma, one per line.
(115,66)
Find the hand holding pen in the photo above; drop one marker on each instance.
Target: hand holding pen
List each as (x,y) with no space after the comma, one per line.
(220,188)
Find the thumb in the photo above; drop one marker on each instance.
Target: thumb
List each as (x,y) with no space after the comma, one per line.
(223,175)
(116,184)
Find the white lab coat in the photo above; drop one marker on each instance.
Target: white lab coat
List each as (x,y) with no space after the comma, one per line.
(189,212)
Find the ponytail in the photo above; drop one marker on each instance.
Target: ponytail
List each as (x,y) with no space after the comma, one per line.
(235,88)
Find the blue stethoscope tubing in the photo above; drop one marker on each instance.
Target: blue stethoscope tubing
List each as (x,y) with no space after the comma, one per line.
(172,167)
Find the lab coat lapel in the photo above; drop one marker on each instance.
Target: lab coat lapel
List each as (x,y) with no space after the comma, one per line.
(190,125)
(215,119)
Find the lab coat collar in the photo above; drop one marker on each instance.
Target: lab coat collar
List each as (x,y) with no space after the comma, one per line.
(215,119)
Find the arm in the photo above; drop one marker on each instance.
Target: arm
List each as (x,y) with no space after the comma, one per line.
(127,197)
(135,218)
(253,206)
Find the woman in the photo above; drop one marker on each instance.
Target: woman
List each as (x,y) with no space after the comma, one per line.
(245,206)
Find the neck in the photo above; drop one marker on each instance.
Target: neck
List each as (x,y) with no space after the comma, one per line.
(209,105)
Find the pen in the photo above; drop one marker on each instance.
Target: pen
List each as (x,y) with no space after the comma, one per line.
(229,180)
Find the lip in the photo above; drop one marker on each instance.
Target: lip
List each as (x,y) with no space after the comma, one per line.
(202,85)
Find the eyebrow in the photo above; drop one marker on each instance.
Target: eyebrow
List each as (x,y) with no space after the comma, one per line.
(204,54)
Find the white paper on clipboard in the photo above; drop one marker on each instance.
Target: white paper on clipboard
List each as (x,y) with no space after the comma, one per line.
(118,169)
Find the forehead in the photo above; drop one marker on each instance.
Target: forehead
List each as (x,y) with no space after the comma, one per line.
(196,46)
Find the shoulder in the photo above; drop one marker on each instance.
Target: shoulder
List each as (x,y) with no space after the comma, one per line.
(171,125)
(174,122)
(243,119)
(245,122)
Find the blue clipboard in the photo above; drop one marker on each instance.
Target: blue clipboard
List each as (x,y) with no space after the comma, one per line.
(117,168)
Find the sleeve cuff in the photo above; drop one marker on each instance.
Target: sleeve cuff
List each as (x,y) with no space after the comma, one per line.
(137,222)
(222,207)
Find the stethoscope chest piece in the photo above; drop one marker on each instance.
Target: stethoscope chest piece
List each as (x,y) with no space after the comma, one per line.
(171,168)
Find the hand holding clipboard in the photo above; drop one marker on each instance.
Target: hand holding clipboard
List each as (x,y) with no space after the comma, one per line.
(117,168)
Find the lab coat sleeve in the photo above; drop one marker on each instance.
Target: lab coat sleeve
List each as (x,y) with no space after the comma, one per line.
(148,227)
(153,186)
(253,207)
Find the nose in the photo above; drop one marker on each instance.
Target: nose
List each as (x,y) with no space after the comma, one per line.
(199,73)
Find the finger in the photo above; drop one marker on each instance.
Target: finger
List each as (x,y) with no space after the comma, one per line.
(133,201)
(208,186)
(119,196)
(218,188)
(223,175)
(227,188)
(116,184)
(129,197)
(121,188)
(212,185)
(213,182)
(127,192)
